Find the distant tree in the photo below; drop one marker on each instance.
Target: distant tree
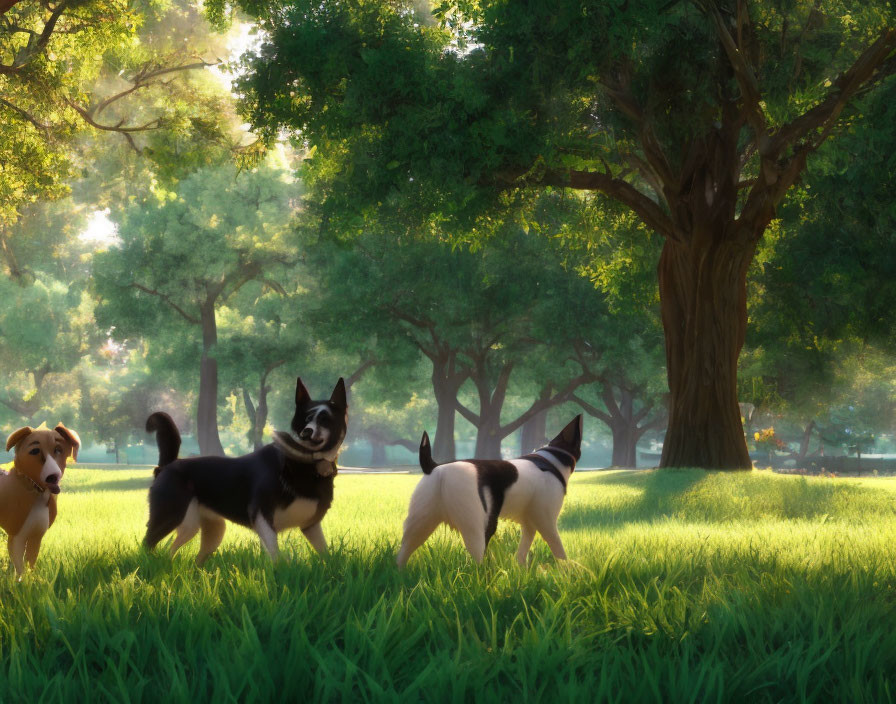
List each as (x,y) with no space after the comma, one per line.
(261,331)
(187,253)
(118,392)
(698,116)
(45,329)
(480,317)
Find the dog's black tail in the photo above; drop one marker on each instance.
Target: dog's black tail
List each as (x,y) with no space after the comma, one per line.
(427,463)
(167,438)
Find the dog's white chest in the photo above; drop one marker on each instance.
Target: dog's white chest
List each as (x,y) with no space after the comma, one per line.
(297,514)
(38,520)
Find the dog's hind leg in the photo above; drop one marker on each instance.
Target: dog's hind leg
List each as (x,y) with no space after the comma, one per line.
(169,500)
(526,538)
(552,538)
(475,542)
(188,527)
(315,535)
(417,528)
(212,535)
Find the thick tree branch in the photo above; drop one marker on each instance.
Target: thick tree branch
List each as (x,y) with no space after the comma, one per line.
(353,378)
(467,413)
(746,79)
(874,64)
(7,4)
(36,47)
(640,415)
(189,318)
(592,410)
(88,118)
(542,404)
(648,210)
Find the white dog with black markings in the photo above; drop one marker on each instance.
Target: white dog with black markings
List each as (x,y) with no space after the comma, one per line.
(471,495)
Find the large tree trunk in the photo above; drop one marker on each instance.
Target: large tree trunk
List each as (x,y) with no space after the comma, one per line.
(488,439)
(446,383)
(703,299)
(207,407)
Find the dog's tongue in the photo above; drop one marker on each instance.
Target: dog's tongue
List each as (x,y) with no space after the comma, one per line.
(54,488)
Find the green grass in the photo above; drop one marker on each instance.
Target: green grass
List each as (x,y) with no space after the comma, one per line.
(683,586)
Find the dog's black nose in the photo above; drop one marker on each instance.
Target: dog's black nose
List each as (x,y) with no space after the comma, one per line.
(306,433)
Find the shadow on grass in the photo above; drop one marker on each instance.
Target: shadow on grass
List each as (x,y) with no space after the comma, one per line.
(718,497)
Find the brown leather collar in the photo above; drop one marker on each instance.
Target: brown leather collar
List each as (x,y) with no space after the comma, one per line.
(29,483)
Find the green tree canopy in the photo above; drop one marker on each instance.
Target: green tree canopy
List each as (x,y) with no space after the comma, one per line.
(187,252)
(699,116)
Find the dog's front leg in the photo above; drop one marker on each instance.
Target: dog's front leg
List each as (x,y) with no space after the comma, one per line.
(32,547)
(267,535)
(16,547)
(315,535)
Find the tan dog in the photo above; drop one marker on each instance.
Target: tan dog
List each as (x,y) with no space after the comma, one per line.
(28,491)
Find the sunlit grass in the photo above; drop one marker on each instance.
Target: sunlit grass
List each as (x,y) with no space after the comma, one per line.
(683,586)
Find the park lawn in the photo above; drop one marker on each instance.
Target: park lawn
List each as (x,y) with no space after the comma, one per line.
(683,586)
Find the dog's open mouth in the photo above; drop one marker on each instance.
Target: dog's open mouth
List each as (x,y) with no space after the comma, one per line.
(53,483)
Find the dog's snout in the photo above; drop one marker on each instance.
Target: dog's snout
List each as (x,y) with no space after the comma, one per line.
(54,478)
(306,434)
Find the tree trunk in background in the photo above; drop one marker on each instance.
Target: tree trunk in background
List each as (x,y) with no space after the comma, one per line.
(207,407)
(377,453)
(258,416)
(703,300)
(625,440)
(533,434)
(446,383)
(807,437)
(488,437)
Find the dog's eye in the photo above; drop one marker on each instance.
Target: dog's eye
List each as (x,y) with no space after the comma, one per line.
(58,450)
(35,451)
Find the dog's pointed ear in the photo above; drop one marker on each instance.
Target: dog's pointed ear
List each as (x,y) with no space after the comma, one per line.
(338,397)
(18,436)
(71,438)
(573,432)
(571,436)
(302,395)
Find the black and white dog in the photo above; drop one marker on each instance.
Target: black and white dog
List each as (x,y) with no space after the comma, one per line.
(471,495)
(286,484)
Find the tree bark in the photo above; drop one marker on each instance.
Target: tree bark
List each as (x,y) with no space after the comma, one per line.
(446,383)
(533,434)
(207,407)
(807,437)
(624,422)
(704,311)
(625,440)
(7,4)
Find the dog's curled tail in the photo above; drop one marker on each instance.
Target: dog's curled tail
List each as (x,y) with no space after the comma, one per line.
(167,438)
(427,463)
